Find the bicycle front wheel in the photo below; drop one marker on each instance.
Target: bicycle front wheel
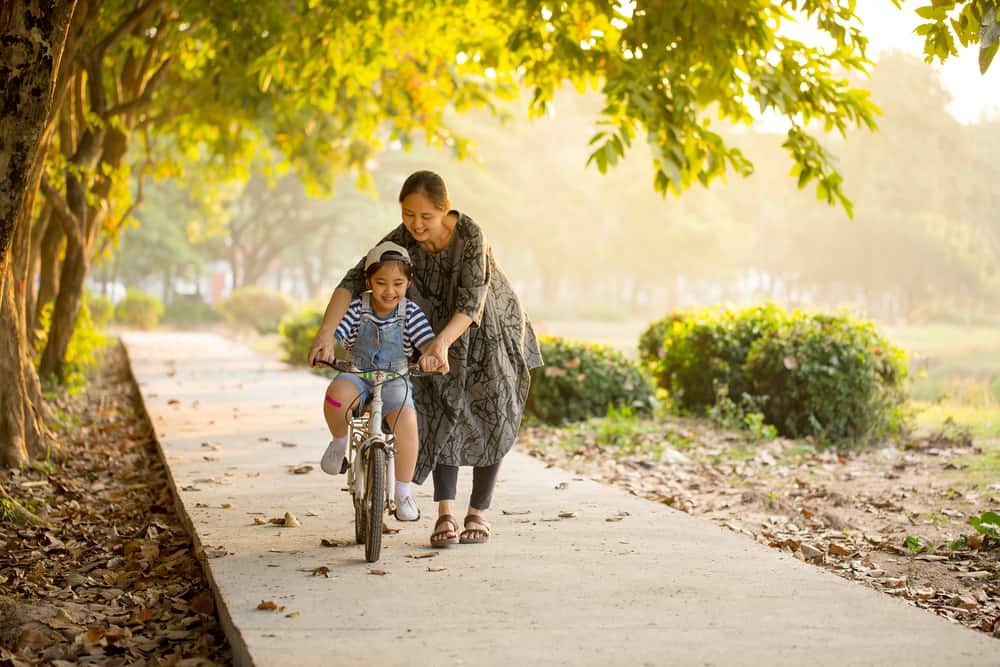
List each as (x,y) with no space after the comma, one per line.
(374,502)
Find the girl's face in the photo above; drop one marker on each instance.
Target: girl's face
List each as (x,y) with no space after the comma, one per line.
(388,285)
(424,221)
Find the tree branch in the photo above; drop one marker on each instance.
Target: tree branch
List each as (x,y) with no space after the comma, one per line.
(70,223)
(126,26)
(145,97)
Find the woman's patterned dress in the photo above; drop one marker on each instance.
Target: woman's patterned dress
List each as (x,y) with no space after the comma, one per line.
(470,416)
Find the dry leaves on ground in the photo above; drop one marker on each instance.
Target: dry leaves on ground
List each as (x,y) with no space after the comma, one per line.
(112,578)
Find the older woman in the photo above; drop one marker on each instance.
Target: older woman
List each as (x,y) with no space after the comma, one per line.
(485,347)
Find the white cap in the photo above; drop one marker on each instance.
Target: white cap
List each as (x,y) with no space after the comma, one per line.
(384,251)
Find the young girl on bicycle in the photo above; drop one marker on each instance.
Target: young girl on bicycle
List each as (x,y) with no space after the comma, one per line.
(381,329)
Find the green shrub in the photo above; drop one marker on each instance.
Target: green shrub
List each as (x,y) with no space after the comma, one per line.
(583,380)
(139,310)
(190,311)
(829,376)
(256,307)
(297,332)
(102,310)
(696,355)
(81,352)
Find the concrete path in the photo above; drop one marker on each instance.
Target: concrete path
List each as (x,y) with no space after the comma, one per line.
(656,587)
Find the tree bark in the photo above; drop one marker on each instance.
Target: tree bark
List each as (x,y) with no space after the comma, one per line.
(48,269)
(33,34)
(65,312)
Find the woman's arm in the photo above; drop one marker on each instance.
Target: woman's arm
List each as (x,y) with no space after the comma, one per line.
(324,343)
(437,350)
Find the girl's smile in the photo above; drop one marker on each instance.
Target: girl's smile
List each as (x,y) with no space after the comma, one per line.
(388,285)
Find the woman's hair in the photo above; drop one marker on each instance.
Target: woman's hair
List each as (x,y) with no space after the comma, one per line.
(404,267)
(428,184)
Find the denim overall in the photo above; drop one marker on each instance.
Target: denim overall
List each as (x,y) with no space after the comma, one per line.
(379,344)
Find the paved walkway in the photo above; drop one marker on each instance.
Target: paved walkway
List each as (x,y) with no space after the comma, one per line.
(656,587)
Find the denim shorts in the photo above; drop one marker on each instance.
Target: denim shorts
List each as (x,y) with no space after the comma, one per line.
(396,393)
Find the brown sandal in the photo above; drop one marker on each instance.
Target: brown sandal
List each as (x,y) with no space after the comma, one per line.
(443,537)
(478,533)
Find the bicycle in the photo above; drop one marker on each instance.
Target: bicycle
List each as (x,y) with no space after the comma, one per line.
(371,454)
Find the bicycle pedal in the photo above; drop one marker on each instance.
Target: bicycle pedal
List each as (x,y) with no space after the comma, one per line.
(344,466)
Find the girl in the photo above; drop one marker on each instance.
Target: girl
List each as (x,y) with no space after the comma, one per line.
(381,329)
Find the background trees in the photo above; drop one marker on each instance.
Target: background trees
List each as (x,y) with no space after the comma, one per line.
(102,93)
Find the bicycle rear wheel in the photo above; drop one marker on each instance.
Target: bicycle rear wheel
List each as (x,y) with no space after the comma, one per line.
(359,521)
(374,502)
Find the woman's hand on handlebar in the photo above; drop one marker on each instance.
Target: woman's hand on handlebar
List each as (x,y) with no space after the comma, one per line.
(435,357)
(322,348)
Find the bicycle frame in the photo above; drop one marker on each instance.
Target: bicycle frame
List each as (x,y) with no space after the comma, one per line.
(366,432)
(371,457)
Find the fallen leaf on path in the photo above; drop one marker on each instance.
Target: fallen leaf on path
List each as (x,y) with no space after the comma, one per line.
(322,569)
(515,512)
(423,554)
(380,573)
(567,515)
(386,530)
(334,543)
(257,521)
(562,486)
(264,438)
(300,470)
(840,550)
(294,614)
(436,568)
(173,401)
(267,605)
(285,443)
(290,521)
(226,506)
(203,603)
(614,518)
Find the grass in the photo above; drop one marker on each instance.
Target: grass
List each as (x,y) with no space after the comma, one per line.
(983,470)
(982,421)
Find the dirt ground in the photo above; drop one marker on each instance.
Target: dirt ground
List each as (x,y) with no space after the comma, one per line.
(848,512)
(111,578)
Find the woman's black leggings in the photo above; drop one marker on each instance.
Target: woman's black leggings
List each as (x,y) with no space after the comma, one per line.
(483,480)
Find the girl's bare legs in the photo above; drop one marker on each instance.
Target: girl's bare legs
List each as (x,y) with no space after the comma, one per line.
(340,396)
(404,422)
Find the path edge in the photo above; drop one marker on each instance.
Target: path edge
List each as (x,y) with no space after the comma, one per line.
(237,644)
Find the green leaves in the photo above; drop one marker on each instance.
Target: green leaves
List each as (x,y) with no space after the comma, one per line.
(987,523)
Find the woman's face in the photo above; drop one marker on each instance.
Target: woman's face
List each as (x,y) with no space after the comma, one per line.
(423,220)
(388,285)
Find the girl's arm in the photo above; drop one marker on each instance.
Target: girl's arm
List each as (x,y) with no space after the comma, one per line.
(324,343)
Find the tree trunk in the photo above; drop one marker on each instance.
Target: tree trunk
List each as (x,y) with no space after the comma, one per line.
(65,312)
(33,39)
(47,270)
(23,434)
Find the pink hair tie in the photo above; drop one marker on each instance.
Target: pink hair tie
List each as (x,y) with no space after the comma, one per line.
(332,402)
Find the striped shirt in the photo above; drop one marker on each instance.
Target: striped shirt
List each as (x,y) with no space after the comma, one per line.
(417,330)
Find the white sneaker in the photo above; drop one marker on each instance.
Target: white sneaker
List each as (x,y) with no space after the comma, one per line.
(333,461)
(406,509)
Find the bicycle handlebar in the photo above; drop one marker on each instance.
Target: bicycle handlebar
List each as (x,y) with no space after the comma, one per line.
(345,366)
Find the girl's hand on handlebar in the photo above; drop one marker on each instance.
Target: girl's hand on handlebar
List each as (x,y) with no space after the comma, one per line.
(322,348)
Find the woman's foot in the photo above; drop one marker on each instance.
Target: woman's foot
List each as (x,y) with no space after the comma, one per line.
(477,531)
(445,531)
